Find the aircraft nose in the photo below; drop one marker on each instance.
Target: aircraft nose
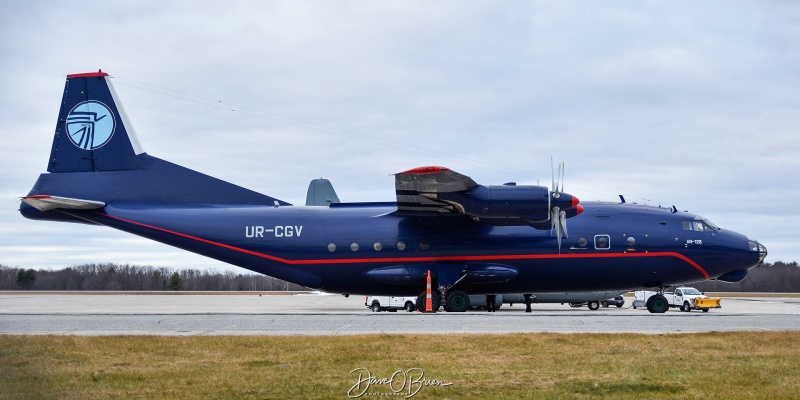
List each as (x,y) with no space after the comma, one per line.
(759,248)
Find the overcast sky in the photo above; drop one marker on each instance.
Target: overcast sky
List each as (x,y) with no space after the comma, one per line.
(695,104)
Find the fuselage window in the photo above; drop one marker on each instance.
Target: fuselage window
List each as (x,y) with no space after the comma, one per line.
(378,246)
(582,242)
(354,246)
(331,247)
(602,242)
(424,245)
(401,246)
(631,241)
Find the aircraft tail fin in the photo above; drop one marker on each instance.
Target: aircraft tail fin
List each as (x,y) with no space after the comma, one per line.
(321,193)
(96,158)
(93,132)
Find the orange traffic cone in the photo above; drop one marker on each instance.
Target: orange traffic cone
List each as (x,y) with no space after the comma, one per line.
(428,297)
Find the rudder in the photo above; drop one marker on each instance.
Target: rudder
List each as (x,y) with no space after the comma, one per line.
(92,132)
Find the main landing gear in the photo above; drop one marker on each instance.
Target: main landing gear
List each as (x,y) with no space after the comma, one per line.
(454,301)
(657,303)
(436,301)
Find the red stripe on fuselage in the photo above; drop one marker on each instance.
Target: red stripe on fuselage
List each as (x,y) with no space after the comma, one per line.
(419,259)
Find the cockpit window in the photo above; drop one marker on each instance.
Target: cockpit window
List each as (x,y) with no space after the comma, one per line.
(710,224)
(699,225)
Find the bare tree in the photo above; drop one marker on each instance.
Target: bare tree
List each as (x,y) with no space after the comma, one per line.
(111,276)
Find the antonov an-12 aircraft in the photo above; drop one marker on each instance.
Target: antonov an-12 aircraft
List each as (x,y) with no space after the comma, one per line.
(473,239)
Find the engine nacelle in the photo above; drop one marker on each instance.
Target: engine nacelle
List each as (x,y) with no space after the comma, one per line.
(528,202)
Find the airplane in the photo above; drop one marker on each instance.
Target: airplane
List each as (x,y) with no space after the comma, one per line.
(469,238)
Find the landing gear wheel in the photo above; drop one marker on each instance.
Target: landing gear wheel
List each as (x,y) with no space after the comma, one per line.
(376,307)
(685,307)
(410,307)
(594,305)
(436,301)
(657,304)
(457,301)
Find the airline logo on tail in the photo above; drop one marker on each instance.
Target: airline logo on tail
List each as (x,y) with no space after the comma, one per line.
(90,125)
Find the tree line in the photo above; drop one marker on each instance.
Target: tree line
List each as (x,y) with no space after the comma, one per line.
(780,277)
(112,276)
(770,277)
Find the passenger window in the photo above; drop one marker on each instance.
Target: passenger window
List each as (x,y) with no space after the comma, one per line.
(602,242)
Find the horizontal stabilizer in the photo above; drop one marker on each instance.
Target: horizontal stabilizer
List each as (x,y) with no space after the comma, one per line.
(43,202)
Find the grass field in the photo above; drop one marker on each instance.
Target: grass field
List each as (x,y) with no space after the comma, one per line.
(758,365)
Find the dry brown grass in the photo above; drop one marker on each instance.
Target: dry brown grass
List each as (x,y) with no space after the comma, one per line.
(546,366)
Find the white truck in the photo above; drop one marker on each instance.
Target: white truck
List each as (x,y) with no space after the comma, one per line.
(685,298)
(386,303)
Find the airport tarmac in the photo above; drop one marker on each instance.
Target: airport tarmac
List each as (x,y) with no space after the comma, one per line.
(326,314)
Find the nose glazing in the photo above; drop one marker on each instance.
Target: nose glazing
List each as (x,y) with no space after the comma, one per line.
(760,249)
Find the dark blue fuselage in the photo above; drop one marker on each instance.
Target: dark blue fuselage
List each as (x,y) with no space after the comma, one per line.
(611,246)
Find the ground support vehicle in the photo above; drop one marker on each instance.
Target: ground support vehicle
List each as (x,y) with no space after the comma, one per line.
(593,300)
(689,298)
(617,301)
(685,298)
(393,303)
(478,301)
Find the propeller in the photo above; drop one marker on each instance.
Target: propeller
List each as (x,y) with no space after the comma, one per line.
(558,217)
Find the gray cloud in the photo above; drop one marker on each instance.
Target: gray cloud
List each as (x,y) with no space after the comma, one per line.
(695,106)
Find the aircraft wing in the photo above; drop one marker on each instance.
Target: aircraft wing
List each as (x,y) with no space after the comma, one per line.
(418,189)
(43,202)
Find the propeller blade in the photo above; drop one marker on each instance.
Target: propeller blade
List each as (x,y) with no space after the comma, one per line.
(556,223)
(558,218)
(554,219)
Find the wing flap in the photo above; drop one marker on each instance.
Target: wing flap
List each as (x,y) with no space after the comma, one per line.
(417,189)
(43,202)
